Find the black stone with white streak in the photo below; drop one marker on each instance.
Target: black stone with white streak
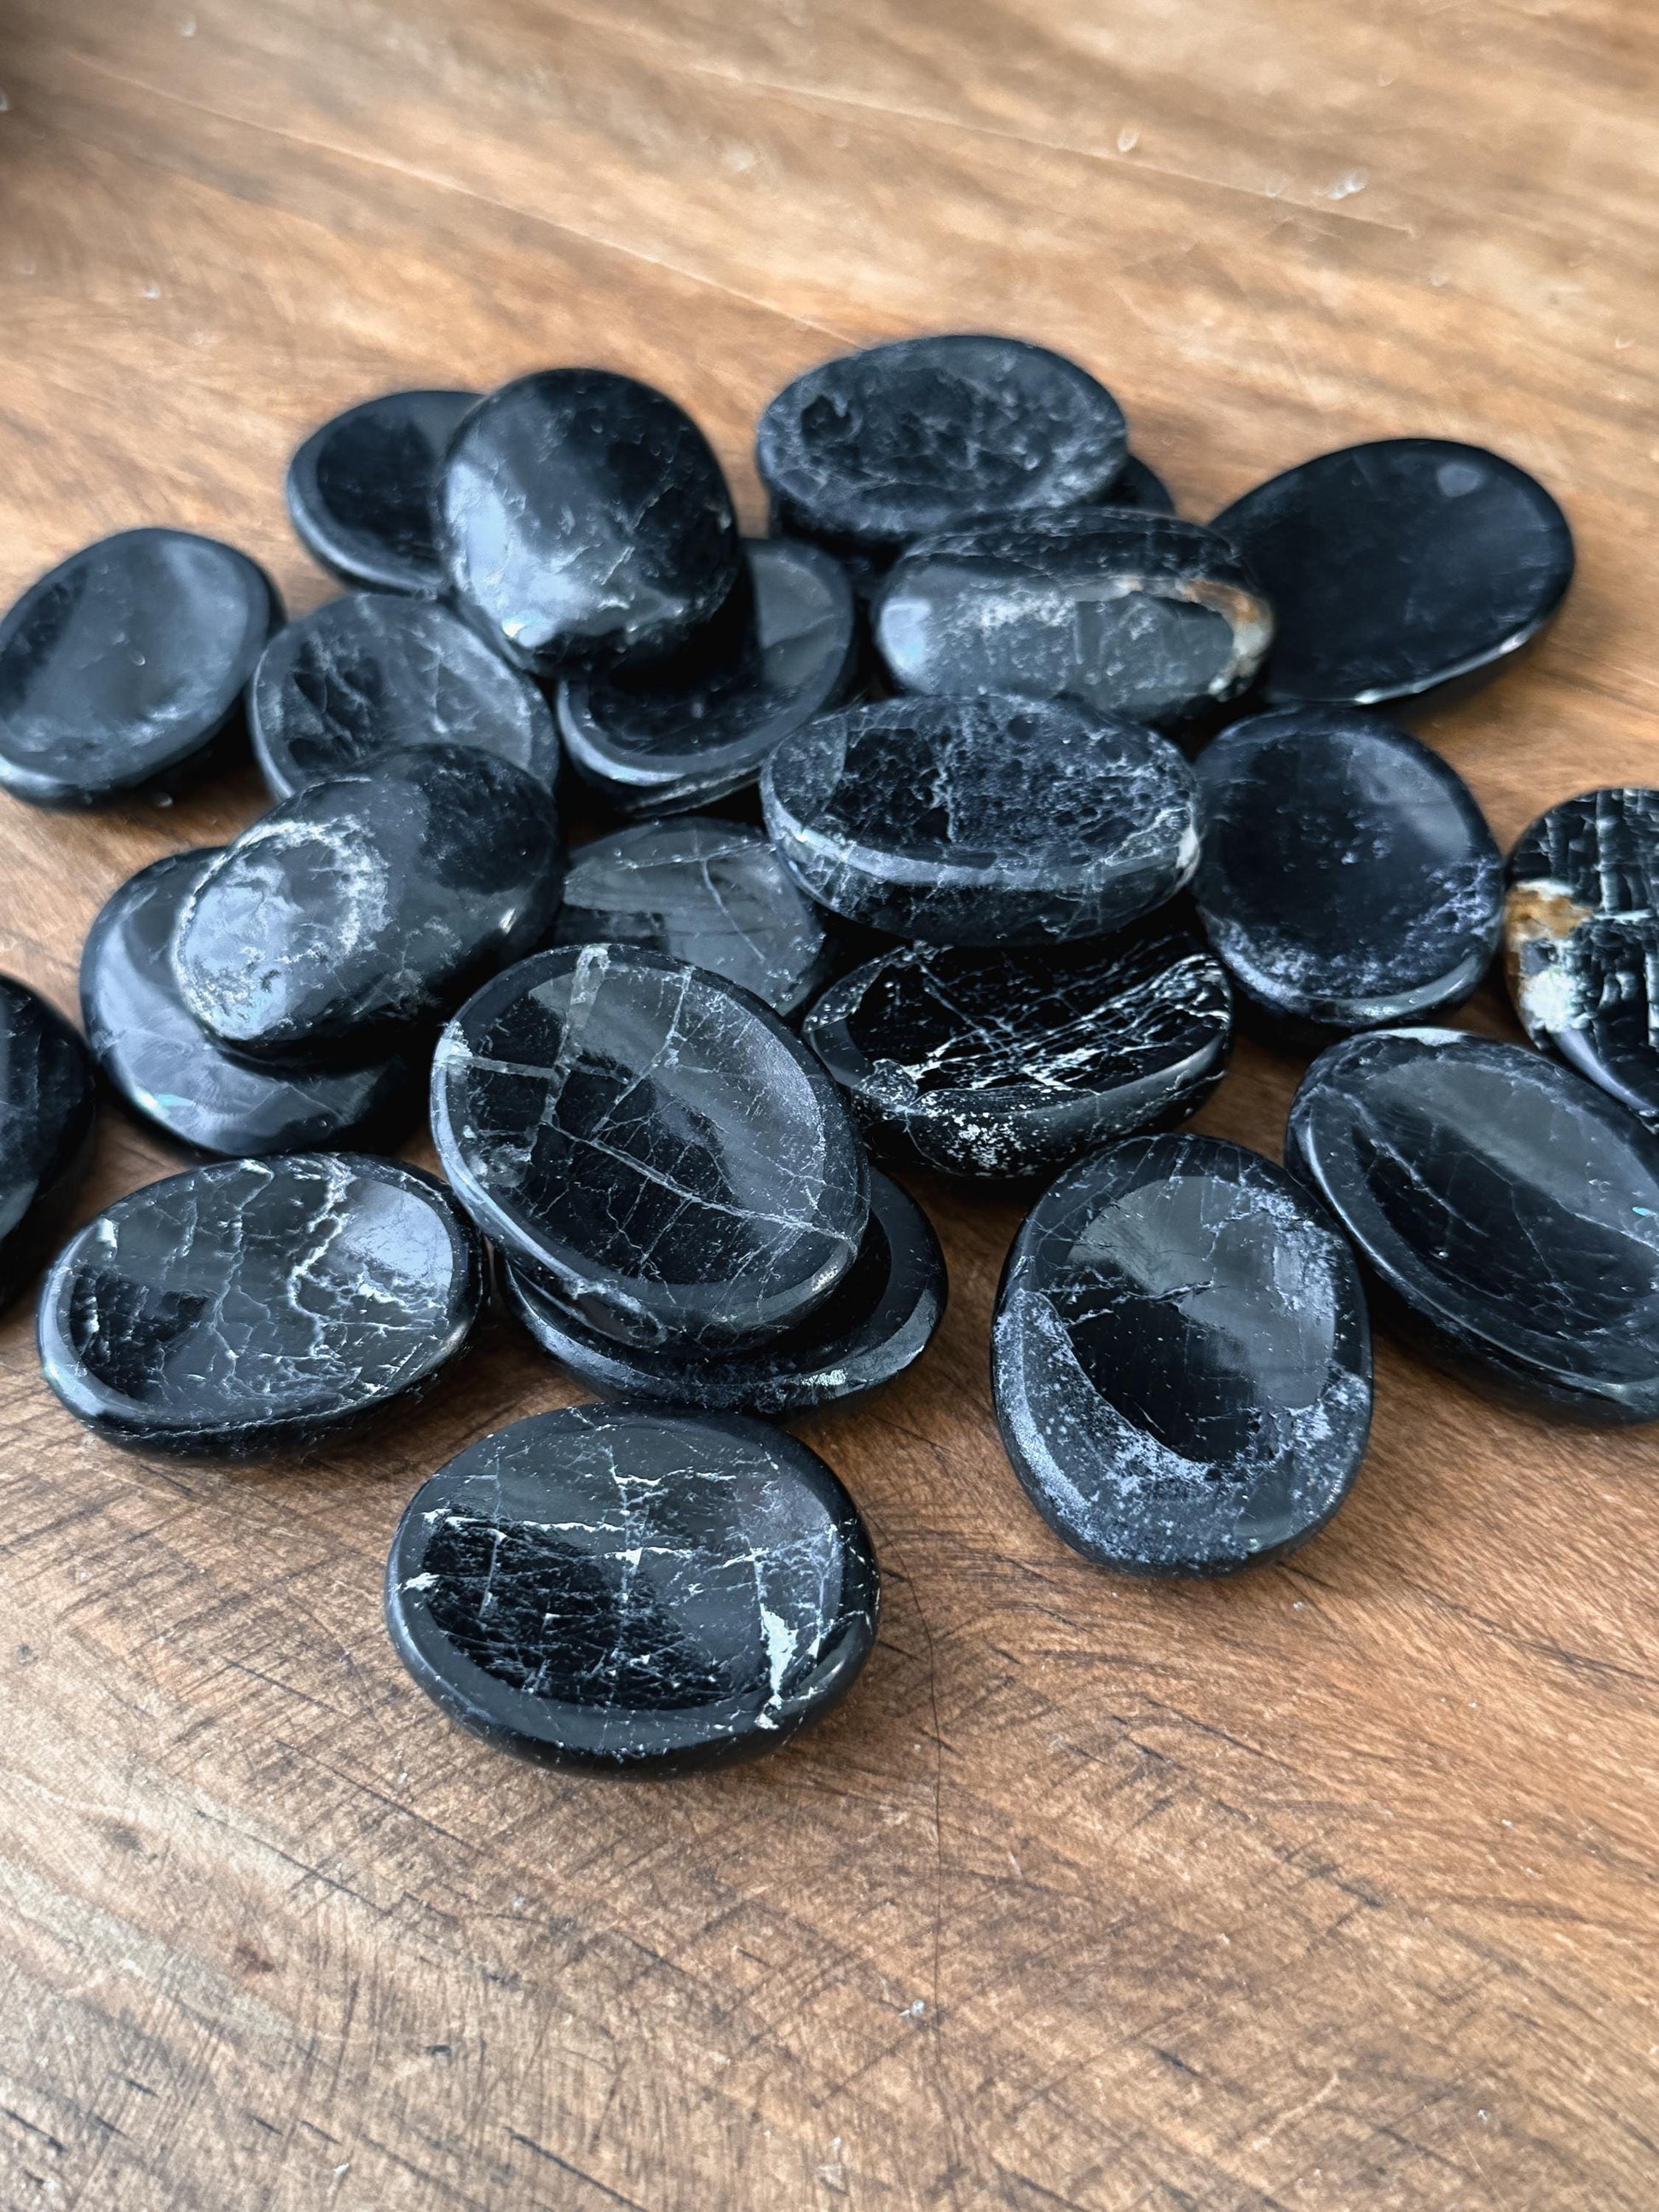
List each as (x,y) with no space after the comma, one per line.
(372,673)
(367,905)
(653,1145)
(1581,932)
(122,666)
(875,1324)
(1133,613)
(360,489)
(251,1307)
(1181,1359)
(1004,1064)
(704,890)
(872,449)
(155,1056)
(982,821)
(632,1590)
(1348,877)
(698,727)
(48,1111)
(584,521)
(1400,568)
(1508,1211)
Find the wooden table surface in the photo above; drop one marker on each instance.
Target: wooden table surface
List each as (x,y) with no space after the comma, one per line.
(1327,1888)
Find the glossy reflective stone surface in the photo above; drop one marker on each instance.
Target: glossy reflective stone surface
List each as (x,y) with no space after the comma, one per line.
(123,664)
(986,1063)
(1398,568)
(360,489)
(634,1590)
(1133,613)
(699,726)
(651,1143)
(875,1324)
(584,521)
(872,449)
(1581,932)
(154,1055)
(369,903)
(1181,1359)
(982,822)
(704,890)
(371,674)
(1348,877)
(47,1113)
(1508,1210)
(251,1307)
(1138,486)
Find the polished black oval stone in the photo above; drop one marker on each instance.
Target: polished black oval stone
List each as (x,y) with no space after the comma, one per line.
(1181,1359)
(371,674)
(698,727)
(1581,931)
(875,1324)
(360,489)
(1348,877)
(48,1110)
(982,822)
(1398,568)
(872,449)
(632,1589)
(996,1064)
(704,890)
(653,1145)
(1508,1210)
(585,522)
(126,662)
(251,1307)
(154,1055)
(1133,613)
(1136,485)
(367,903)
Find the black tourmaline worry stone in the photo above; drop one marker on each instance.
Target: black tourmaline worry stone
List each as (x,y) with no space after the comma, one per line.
(878,1321)
(1581,931)
(252,1306)
(367,903)
(156,1058)
(1508,1210)
(1181,1359)
(982,821)
(124,663)
(1002,1065)
(704,890)
(1348,877)
(651,1144)
(696,728)
(872,449)
(360,489)
(586,521)
(631,1589)
(370,674)
(47,1110)
(1400,568)
(1133,613)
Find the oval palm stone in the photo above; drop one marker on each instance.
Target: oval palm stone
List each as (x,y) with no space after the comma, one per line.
(982,821)
(126,663)
(651,1144)
(1181,1359)
(632,1589)
(371,674)
(360,489)
(251,1307)
(1508,1210)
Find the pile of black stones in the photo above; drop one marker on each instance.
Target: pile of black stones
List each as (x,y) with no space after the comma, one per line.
(951,823)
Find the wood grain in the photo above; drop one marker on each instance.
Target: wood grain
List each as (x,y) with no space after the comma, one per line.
(1329,1889)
